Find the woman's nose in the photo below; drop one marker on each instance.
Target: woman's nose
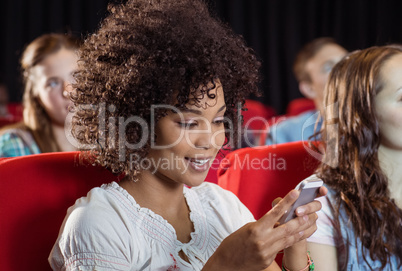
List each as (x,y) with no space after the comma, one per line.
(203,138)
(67,88)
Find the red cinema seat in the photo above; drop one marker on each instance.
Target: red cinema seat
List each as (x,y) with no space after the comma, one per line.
(212,176)
(16,110)
(259,175)
(298,106)
(36,191)
(262,136)
(14,114)
(257,114)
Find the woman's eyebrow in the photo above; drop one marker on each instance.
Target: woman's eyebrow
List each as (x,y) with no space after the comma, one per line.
(198,112)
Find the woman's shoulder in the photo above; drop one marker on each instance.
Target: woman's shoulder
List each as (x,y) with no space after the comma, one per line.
(217,201)
(101,199)
(208,191)
(17,141)
(13,130)
(96,214)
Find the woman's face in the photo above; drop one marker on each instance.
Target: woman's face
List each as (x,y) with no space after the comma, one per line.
(388,103)
(188,141)
(52,83)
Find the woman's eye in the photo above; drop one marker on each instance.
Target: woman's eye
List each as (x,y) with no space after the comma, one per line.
(327,68)
(54,83)
(219,121)
(187,124)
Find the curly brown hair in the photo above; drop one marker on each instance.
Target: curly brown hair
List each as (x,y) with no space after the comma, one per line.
(351,130)
(152,53)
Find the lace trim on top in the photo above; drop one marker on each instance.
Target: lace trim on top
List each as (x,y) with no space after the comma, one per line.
(160,230)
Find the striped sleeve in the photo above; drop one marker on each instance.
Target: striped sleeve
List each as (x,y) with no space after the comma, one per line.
(12,145)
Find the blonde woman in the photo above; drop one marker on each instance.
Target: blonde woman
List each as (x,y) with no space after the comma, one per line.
(47,64)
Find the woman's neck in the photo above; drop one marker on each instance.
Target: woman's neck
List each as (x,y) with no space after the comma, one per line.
(165,198)
(391,164)
(155,193)
(61,139)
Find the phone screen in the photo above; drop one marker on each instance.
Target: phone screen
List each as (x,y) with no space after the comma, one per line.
(308,192)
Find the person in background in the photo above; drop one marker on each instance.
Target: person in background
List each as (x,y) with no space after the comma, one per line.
(3,99)
(311,67)
(48,64)
(163,79)
(360,225)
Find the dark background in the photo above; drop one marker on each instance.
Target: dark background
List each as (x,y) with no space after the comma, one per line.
(275,29)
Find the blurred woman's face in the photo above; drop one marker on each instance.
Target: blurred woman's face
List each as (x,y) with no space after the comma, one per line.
(388,104)
(52,83)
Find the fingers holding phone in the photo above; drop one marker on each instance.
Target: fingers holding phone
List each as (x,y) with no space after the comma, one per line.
(302,213)
(309,190)
(312,206)
(256,244)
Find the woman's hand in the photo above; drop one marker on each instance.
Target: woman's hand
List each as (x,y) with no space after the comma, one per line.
(295,256)
(255,245)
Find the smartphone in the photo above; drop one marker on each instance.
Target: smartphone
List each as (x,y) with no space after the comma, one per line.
(308,192)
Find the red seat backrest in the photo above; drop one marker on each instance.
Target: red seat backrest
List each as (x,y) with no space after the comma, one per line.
(298,106)
(262,136)
(212,176)
(259,175)
(257,114)
(36,192)
(16,110)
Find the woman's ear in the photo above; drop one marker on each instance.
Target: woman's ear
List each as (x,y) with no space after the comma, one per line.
(307,90)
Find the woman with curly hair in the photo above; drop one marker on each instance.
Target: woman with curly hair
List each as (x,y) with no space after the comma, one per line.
(360,226)
(48,63)
(155,99)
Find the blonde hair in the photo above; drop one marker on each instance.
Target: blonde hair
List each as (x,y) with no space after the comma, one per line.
(35,118)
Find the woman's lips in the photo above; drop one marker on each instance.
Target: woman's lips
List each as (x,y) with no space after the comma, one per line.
(199,164)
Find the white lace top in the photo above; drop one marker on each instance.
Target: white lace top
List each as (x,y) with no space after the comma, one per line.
(108,230)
